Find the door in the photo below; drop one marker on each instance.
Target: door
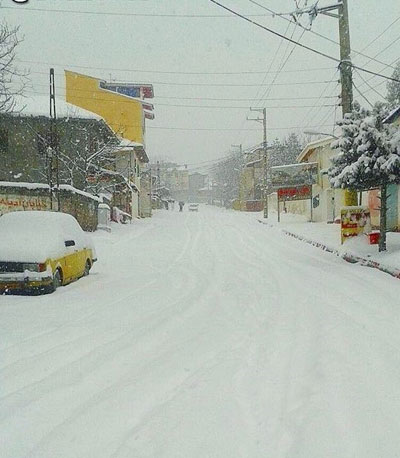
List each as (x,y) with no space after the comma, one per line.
(392,205)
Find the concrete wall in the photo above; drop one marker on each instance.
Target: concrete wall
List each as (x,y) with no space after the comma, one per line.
(19,198)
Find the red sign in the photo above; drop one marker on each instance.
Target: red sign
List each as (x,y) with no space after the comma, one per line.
(294,193)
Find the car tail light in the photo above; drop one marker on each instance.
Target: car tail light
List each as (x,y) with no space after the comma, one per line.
(42,267)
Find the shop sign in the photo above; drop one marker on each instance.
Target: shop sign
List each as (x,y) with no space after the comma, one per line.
(295,193)
(354,221)
(130,90)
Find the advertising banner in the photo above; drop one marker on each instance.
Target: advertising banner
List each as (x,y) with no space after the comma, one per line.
(354,221)
(131,90)
(294,193)
(304,173)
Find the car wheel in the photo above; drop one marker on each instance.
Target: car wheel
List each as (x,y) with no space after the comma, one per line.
(87,269)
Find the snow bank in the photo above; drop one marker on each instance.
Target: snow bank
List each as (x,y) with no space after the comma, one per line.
(39,235)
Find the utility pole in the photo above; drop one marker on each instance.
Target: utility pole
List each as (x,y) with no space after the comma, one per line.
(53,161)
(346,76)
(265,155)
(345,66)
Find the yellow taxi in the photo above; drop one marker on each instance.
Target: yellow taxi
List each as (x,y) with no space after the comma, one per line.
(40,251)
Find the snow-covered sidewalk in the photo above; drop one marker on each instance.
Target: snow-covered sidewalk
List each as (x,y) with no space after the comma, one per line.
(327,237)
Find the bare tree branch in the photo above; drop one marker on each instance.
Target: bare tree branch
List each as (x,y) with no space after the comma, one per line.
(13,81)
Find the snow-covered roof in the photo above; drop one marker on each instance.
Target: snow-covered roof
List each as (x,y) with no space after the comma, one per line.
(312,146)
(138,147)
(124,142)
(63,187)
(40,106)
(250,164)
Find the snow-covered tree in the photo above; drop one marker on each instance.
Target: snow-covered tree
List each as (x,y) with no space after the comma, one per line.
(226,174)
(393,88)
(12,80)
(286,151)
(368,157)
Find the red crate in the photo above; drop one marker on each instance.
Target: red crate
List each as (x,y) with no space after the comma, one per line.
(373,238)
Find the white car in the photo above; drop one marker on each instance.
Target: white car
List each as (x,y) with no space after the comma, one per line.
(193,207)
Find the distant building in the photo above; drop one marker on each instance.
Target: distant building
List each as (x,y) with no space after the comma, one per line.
(197,182)
(174,177)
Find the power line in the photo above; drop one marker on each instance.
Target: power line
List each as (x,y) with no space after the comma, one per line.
(106,13)
(382,82)
(194,106)
(282,16)
(208,99)
(372,88)
(264,79)
(216,129)
(166,72)
(381,34)
(297,83)
(362,95)
(315,51)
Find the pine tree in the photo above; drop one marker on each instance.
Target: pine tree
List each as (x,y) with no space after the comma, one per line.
(369,157)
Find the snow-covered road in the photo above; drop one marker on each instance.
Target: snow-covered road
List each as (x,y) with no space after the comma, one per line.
(204,335)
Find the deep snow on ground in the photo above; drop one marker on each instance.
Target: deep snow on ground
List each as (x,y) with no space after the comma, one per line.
(204,335)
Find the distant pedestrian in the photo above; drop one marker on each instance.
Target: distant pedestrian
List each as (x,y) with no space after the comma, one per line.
(181,204)
(172,203)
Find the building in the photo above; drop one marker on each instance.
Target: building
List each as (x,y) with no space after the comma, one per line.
(197,181)
(251,182)
(173,177)
(82,140)
(124,109)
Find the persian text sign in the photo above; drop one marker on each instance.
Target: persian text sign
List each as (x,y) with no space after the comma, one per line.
(354,221)
(294,193)
(13,203)
(305,173)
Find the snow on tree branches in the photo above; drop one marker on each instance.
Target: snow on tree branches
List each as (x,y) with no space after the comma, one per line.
(368,156)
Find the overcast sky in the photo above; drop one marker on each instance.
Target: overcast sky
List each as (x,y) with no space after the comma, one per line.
(164,42)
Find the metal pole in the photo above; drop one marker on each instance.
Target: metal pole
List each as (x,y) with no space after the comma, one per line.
(54,162)
(279,213)
(265,163)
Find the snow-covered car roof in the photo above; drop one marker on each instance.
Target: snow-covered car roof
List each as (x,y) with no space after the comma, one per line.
(34,236)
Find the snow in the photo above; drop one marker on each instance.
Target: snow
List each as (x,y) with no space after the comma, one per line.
(329,236)
(124,142)
(35,236)
(204,335)
(39,106)
(63,187)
